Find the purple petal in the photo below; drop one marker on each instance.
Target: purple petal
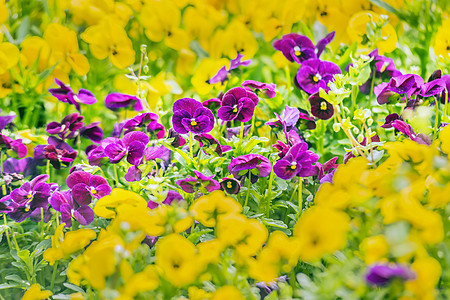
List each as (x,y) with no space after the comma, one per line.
(84,215)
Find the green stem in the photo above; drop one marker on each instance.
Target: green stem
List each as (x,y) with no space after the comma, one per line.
(249,181)
(47,170)
(52,283)
(445,113)
(288,79)
(269,195)
(252,128)
(115,175)
(7,232)
(3,176)
(190,146)
(371,89)
(300,196)
(354,95)
(241,134)
(436,120)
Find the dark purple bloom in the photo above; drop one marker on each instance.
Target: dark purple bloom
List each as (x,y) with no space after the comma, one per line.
(92,132)
(250,165)
(171,196)
(286,120)
(84,186)
(68,128)
(230,185)
(389,119)
(133,174)
(320,107)
(212,103)
(292,139)
(148,121)
(6,143)
(63,202)
(406,129)
(57,151)
(298,161)
(132,146)
(238,104)
(5,204)
(25,166)
(325,172)
(322,44)
(65,94)
(236,131)
(116,101)
(208,141)
(5,120)
(446,79)
(295,47)
(178,140)
(200,181)
(315,74)
(222,74)
(190,115)
(399,87)
(267,88)
(432,88)
(161,152)
(384,274)
(30,196)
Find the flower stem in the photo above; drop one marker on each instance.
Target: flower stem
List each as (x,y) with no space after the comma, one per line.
(371,89)
(350,136)
(354,95)
(190,146)
(115,175)
(269,195)
(249,181)
(52,283)
(436,120)
(241,134)
(445,112)
(7,232)
(300,196)
(3,176)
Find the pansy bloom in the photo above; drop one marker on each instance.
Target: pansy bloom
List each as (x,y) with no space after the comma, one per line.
(84,186)
(189,115)
(68,127)
(200,181)
(131,146)
(315,74)
(238,104)
(149,121)
(267,88)
(383,274)
(295,47)
(65,94)
(320,108)
(230,185)
(58,152)
(208,141)
(171,197)
(250,165)
(6,120)
(116,101)
(222,74)
(7,143)
(298,161)
(65,204)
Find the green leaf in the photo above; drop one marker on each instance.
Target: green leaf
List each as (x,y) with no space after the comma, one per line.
(73,287)
(9,285)
(274,223)
(195,236)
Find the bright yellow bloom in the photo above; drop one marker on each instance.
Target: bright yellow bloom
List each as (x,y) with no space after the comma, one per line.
(105,206)
(9,56)
(4,14)
(146,280)
(374,249)
(428,271)
(167,219)
(319,231)
(198,294)
(227,292)
(210,251)
(444,138)
(208,208)
(245,235)
(63,43)
(442,41)
(237,38)
(108,38)
(35,293)
(65,244)
(178,259)
(92,12)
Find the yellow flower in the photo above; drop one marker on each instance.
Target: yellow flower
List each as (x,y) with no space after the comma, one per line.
(9,56)
(428,271)
(105,206)
(177,258)
(208,208)
(198,294)
(167,219)
(63,43)
(381,35)
(319,231)
(35,293)
(4,14)
(209,251)
(238,38)
(227,292)
(108,38)
(374,249)
(146,280)
(444,138)
(245,235)
(442,41)
(65,244)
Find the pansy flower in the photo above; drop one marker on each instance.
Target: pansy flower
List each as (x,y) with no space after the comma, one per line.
(58,152)
(238,104)
(65,94)
(178,140)
(25,166)
(190,115)
(148,121)
(250,165)
(131,146)
(267,88)
(84,186)
(93,132)
(236,131)
(171,197)
(63,202)
(16,146)
(200,181)
(325,171)
(320,108)
(389,120)
(68,127)
(230,185)
(406,129)
(295,47)
(298,161)
(222,75)
(5,120)
(322,44)
(208,141)
(399,87)
(315,74)
(116,101)
(383,274)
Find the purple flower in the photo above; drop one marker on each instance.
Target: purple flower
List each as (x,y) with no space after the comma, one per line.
(199,182)
(65,94)
(68,128)
(222,74)
(315,74)
(171,196)
(390,119)
(236,131)
(84,186)
(238,104)
(250,165)
(298,161)
(132,146)
(295,47)
(63,202)
(178,140)
(5,120)
(398,87)
(6,143)
(208,141)
(267,88)
(432,88)
(30,196)
(212,103)
(325,172)
(25,166)
(133,174)
(152,153)
(230,185)
(149,121)
(446,79)
(320,108)
(322,44)
(406,129)
(92,132)
(190,115)
(286,120)
(384,274)
(116,101)
(57,151)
